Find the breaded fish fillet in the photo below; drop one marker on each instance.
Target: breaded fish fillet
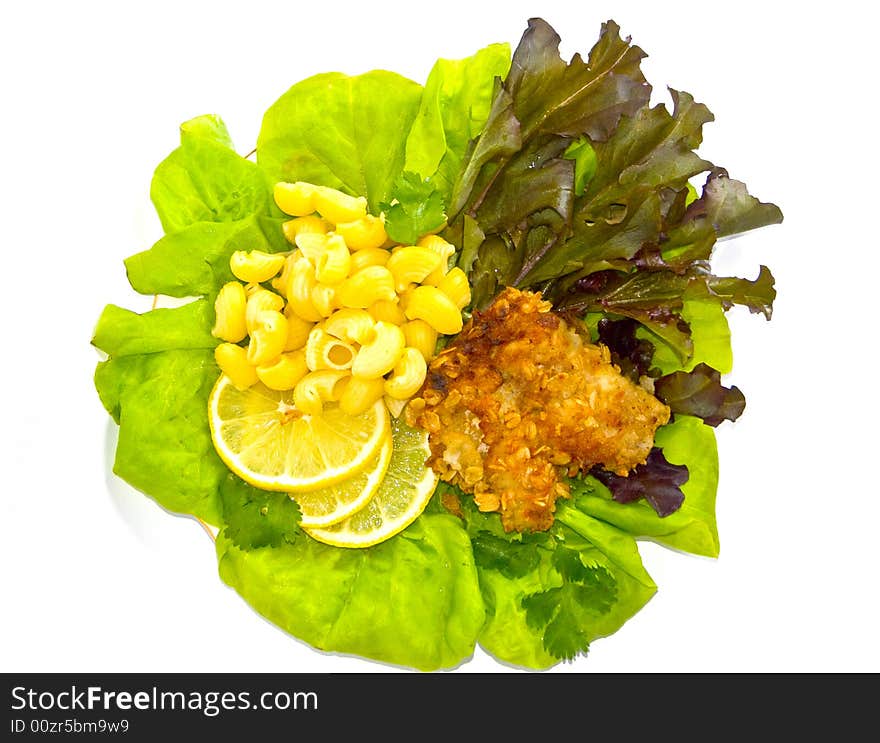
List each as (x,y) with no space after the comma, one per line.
(518,400)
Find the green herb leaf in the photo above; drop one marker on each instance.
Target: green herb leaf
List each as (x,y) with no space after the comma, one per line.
(564,557)
(564,613)
(257,518)
(416,208)
(511,558)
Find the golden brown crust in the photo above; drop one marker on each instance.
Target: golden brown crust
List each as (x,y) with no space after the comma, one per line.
(518,400)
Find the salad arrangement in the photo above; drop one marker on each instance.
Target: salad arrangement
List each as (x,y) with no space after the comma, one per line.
(558,188)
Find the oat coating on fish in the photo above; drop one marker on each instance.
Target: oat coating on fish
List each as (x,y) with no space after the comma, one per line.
(519,400)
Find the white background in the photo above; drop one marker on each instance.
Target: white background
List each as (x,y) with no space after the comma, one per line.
(96,577)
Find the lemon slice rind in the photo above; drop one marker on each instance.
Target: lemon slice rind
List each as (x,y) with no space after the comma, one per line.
(398,502)
(364,484)
(244,437)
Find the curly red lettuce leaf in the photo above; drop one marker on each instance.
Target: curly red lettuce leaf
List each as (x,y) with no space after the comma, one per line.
(516,182)
(655,298)
(577,187)
(646,161)
(657,481)
(633,355)
(700,393)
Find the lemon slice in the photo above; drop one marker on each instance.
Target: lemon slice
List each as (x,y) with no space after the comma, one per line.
(262,437)
(333,503)
(402,496)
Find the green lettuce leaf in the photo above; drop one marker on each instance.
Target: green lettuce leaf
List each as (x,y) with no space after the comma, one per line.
(194,261)
(339,131)
(204,180)
(453,109)
(164,447)
(121,332)
(413,600)
(549,594)
(155,384)
(710,339)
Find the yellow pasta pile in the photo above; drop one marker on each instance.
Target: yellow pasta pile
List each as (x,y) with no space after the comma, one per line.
(346,316)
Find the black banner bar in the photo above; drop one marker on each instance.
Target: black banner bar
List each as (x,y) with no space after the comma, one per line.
(407,705)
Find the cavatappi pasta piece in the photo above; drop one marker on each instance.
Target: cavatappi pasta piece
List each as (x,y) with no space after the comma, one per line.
(311,245)
(407,376)
(368,285)
(444,249)
(259,301)
(255,266)
(334,262)
(430,304)
(285,371)
(368,257)
(233,362)
(280,282)
(336,206)
(359,394)
(411,264)
(421,336)
(351,325)
(318,387)
(455,286)
(299,290)
(325,351)
(229,308)
(388,311)
(268,337)
(297,330)
(377,358)
(364,233)
(324,299)
(296,199)
(403,297)
(301,225)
